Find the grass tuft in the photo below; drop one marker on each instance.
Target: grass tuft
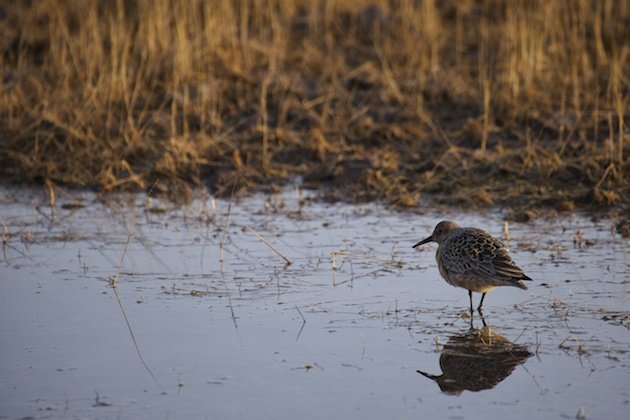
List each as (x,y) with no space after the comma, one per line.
(478,102)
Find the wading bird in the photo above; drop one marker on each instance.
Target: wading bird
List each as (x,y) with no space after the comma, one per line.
(472,259)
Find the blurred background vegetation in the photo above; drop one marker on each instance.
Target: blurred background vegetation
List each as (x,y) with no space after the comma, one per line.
(476,102)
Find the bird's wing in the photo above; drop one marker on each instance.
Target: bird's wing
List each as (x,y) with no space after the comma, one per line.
(504,266)
(477,253)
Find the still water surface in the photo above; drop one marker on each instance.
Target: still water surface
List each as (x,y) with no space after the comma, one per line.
(210,322)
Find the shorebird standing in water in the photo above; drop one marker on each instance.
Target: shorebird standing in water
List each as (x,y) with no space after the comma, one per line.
(472,259)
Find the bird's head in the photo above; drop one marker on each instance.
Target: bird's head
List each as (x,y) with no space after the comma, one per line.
(440,233)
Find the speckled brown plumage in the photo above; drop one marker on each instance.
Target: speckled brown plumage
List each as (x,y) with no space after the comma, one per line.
(472,259)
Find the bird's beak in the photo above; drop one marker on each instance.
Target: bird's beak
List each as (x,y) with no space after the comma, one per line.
(428,375)
(424,241)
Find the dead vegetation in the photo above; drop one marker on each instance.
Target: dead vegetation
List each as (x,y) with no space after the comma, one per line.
(522,103)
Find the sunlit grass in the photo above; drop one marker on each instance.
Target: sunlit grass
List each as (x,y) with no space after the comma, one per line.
(469,101)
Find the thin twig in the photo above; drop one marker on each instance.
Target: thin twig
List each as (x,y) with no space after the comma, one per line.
(133,338)
(51,198)
(288,261)
(5,240)
(227,224)
(303,323)
(116,277)
(300,312)
(367,257)
(113,283)
(222,259)
(114,280)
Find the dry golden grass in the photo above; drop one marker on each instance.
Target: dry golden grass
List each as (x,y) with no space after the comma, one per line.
(480,101)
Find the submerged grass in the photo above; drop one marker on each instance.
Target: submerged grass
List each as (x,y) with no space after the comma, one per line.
(483,102)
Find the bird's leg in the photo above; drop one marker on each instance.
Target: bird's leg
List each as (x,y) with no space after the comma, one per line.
(471,305)
(483,295)
(483,321)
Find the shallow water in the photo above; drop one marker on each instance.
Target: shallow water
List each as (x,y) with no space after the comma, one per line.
(225,329)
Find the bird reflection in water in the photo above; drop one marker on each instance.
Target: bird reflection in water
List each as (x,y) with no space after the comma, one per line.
(477,359)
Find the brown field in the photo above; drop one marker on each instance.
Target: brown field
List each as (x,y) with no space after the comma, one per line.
(517,103)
